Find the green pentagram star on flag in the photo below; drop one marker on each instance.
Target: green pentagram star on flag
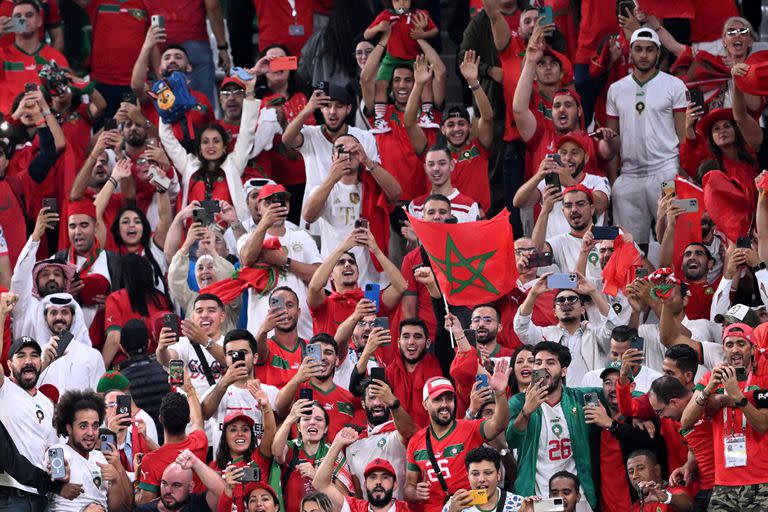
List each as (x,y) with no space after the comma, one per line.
(473,262)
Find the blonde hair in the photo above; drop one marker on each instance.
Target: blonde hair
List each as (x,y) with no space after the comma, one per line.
(738,19)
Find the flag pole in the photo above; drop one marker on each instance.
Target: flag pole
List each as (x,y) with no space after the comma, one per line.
(450,331)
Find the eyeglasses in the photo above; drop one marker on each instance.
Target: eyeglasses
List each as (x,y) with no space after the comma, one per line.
(227,94)
(110,405)
(487,319)
(659,412)
(525,250)
(570,299)
(360,53)
(737,31)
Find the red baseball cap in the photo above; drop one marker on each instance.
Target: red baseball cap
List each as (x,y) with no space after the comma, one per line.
(232,80)
(580,188)
(567,91)
(740,330)
(379,464)
(229,418)
(436,386)
(268,190)
(579,141)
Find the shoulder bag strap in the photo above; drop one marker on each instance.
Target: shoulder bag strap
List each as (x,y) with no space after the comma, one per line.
(204,363)
(435,467)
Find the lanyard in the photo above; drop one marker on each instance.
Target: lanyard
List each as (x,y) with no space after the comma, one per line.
(292,3)
(733,420)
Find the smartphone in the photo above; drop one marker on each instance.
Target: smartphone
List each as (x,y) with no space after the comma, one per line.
(540,259)
(18,25)
(158,20)
(546,14)
(56,458)
(324,86)
(106,440)
(211,206)
(556,158)
(605,232)
(29,87)
(171,321)
(537,375)
(482,378)
(372,292)
(626,8)
(156,175)
(361,223)
(289,63)
(638,343)
(591,400)
(237,356)
(668,187)
(596,135)
(51,204)
(129,97)
(741,374)
(549,505)
(382,321)
(377,373)
(471,335)
(278,198)
(697,97)
(562,281)
(241,73)
(110,124)
(307,394)
(479,496)
(744,242)
(64,338)
(201,216)
(124,407)
(553,180)
(251,474)
(687,205)
(641,273)
(313,350)
(277,302)
(176,372)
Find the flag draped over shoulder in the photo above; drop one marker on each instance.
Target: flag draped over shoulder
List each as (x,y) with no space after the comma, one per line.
(474,262)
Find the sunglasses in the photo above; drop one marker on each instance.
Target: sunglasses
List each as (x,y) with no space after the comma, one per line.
(570,299)
(737,31)
(227,94)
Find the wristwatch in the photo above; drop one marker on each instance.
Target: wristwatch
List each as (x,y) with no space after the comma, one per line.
(395,404)
(741,403)
(503,452)
(668,500)
(757,268)
(210,343)
(287,266)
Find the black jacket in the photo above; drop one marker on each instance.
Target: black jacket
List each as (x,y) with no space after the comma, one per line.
(19,467)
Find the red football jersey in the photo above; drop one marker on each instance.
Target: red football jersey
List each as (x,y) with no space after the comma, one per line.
(154,463)
(281,363)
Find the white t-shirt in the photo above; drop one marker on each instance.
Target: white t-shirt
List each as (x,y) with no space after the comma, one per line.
(337,221)
(378,444)
(463,207)
(512,503)
(237,400)
(80,367)
(316,151)
(86,472)
(642,380)
(565,252)
(3,243)
(646,121)
(555,450)
(556,223)
(712,353)
(343,373)
(302,248)
(29,421)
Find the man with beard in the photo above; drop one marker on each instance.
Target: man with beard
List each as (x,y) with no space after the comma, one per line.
(586,342)
(551,415)
(172,58)
(79,416)
(28,416)
(470,174)
(316,143)
(484,472)
(296,259)
(342,406)
(573,158)
(386,437)
(644,472)
(612,438)
(379,478)
(278,358)
(439,166)
(648,105)
(79,366)
(447,440)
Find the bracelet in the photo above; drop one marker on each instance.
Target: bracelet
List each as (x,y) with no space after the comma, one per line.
(113,181)
(470,416)
(475,87)
(379,44)
(463,337)
(224,46)
(46,113)
(701,402)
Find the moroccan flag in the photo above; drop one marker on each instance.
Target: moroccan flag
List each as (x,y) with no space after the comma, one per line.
(620,269)
(474,262)
(688,226)
(728,204)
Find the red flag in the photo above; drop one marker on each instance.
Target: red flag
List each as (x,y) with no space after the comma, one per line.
(688,225)
(619,271)
(474,262)
(728,204)
(664,9)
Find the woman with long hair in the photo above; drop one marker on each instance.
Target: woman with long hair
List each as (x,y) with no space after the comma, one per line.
(253,496)
(301,456)
(522,369)
(138,298)
(316,502)
(213,173)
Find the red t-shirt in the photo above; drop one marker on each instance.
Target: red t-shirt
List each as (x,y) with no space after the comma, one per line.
(117,311)
(337,307)
(655,506)
(424,308)
(154,463)
(281,363)
(598,19)
(399,158)
(470,173)
(342,407)
(614,492)
(257,461)
(275,21)
(295,488)
(358,505)
(450,452)
(401,44)
(20,68)
(699,438)
(184,20)
(544,142)
(119,29)
(76,126)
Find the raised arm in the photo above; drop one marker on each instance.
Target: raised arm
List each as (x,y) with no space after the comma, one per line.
(391,295)
(439,72)
(499,382)
(149,53)
(292,137)
(421,75)
(539,236)
(316,287)
(749,128)
(470,71)
(368,73)
(249,253)
(316,202)
(280,443)
(323,480)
